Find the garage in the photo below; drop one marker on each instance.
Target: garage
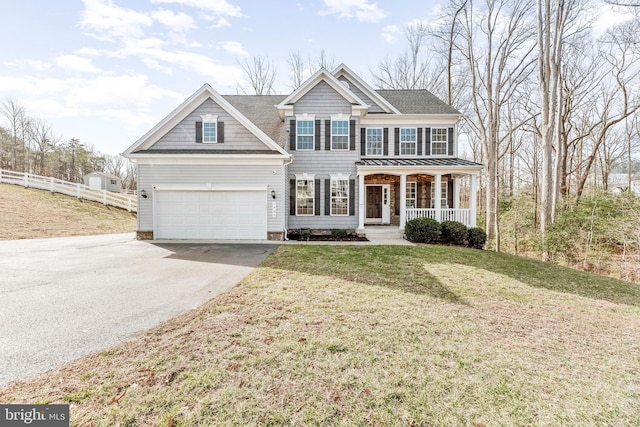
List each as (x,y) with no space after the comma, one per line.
(210,214)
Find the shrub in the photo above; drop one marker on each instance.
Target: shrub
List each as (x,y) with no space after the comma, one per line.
(339,233)
(454,233)
(422,230)
(476,238)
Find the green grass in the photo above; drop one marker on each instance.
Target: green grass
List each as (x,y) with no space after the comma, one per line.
(376,335)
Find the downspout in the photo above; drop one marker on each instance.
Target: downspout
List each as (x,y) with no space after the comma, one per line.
(284,187)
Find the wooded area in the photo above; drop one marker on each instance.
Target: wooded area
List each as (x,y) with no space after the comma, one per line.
(550,108)
(30,144)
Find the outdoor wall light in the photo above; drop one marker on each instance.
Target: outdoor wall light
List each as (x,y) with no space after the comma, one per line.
(273,194)
(143,194)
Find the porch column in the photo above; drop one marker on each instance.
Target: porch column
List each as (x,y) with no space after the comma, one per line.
(456,193)
(473,199)
(437,192)
(403,201)
(361,202)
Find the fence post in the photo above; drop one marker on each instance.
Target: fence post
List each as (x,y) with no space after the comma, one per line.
(26,180)
(104,197)
(129,204)
(0,175)
(78,191)
(51,186)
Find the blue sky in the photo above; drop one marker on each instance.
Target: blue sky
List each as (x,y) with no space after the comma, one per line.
(106,71)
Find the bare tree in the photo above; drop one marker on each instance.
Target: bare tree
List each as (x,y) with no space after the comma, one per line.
(43,140)
(322,61)
(296,68)
(496,47)
(551,24)
(260,73)
(412,69)
(617,99)
(14,112)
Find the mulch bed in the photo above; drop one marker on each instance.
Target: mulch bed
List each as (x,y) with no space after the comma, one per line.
(327,238)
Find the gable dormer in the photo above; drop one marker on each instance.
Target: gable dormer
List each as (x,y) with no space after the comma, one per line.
(377,104)
(322,86)
(205,124)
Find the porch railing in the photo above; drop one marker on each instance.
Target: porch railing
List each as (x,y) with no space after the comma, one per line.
(459,215)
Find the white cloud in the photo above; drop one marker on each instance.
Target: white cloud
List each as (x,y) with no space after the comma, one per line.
(104,20)
(390,33)
(175,22)
(219,22)
(234,48)
(606,16)
(155,65)
(85,51)
(362,10)
(219,7)
(76,63)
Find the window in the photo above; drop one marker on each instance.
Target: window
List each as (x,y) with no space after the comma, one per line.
(304,196)
(439,141)
(339,197)
(339,134)
(374,142)
(113,182)
(443,195)
(411,194)
(209,132)
(408,142)
(304,134)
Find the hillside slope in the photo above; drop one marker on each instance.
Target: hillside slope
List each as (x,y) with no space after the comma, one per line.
(374,336)
(29,213)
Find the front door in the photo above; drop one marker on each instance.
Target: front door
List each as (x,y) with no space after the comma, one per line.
(374,202)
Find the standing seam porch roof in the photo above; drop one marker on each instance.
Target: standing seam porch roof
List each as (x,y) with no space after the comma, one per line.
(448,161)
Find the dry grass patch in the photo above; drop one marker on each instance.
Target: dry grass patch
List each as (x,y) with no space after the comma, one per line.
(386,336)
(29,213)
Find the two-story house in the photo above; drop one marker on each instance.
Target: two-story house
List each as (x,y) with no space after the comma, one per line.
(335,153)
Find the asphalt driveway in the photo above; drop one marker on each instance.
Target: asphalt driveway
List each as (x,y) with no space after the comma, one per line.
(64,298)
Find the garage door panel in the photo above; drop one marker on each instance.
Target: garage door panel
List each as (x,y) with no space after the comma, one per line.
(211,215)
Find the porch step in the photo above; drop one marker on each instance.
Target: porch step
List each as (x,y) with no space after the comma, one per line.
(383,233)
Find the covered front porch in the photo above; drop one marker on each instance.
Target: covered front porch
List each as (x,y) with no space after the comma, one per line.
(395,191)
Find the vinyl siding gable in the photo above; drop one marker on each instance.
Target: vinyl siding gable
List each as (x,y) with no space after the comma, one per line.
(183,135)
(323,100)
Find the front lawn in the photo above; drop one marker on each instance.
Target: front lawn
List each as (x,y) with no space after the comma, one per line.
(375,335)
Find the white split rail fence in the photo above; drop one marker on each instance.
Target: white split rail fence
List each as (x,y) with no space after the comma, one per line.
(121,200)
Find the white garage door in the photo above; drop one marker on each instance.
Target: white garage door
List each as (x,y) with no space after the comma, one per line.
(210,215)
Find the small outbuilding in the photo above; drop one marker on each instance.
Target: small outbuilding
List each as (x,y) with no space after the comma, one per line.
(103,181)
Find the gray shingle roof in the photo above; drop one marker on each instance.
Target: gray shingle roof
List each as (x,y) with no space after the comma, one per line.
(417,102)
(261,110)
(447,161)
